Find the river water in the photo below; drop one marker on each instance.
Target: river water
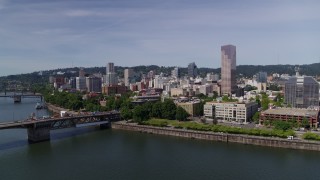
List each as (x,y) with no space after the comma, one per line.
(91,153)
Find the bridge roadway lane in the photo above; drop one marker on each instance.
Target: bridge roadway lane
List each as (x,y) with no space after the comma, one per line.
(28,122)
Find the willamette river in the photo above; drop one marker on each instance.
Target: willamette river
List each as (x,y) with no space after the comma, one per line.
(90,153)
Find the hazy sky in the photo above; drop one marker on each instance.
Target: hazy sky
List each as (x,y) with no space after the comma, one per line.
(45,34)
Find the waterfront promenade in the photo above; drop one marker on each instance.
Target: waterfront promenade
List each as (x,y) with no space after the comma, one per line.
(223,137)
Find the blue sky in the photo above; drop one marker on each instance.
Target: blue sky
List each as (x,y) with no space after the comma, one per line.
(41,34)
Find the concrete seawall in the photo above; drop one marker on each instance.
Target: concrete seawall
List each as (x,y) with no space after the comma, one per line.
(223,137)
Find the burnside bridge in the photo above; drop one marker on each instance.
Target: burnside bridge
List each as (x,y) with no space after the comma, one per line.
(17,97)
(39,129)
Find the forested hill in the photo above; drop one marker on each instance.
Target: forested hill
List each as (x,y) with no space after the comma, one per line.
(242,70)
(306,69)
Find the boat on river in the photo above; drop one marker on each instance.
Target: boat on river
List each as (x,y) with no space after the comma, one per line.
(39,106)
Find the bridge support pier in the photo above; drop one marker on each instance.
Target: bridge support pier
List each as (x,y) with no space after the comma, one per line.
(38,134)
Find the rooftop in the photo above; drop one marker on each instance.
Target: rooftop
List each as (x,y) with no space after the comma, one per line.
(235,102)
(292,111)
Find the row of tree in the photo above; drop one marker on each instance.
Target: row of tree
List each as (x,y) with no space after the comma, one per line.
(291,124)
(163,110)
(76,101)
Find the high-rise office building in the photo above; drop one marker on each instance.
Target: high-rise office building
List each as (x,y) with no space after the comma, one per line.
(301,92)
(72,82)
(129,77)
(111,76)
(192,70)
(94,84)
(175,72)
(81,84)
(228,69)
(261,77)
(81,72)
(110,67)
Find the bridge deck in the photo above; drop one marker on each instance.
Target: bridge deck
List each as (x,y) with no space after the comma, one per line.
(23,96)
(31,122)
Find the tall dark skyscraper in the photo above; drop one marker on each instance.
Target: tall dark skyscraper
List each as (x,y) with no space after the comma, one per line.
(228,69)
(192,70)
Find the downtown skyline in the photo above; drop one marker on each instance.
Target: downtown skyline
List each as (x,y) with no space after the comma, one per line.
(44,35)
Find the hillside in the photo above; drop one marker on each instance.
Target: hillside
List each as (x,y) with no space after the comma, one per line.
(242,71)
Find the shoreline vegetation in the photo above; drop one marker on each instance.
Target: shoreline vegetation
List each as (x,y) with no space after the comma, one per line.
(218,128)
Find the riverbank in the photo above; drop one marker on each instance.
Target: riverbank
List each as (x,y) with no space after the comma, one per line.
(222,137)
(211,136)
(56,110)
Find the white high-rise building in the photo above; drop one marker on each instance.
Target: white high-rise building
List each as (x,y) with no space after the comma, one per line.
(111,76)
(175,72)
(81,83)
(128,76)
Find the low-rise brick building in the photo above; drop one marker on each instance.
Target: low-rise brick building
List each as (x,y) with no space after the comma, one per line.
(287,114)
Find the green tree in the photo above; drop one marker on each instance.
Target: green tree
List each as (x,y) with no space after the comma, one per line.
(181,114)
(215,94)
(168,109)
(266,122)
(258,101)
(294,123)
(201,96)
(281,125)
(140,114)
(265,101)
(311,136)
(199,108)
(116,104)
(279,100)
(256,117)
(74,101)
(156,110)
(126,113)
(148,107)
(225,98)
(305,123)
